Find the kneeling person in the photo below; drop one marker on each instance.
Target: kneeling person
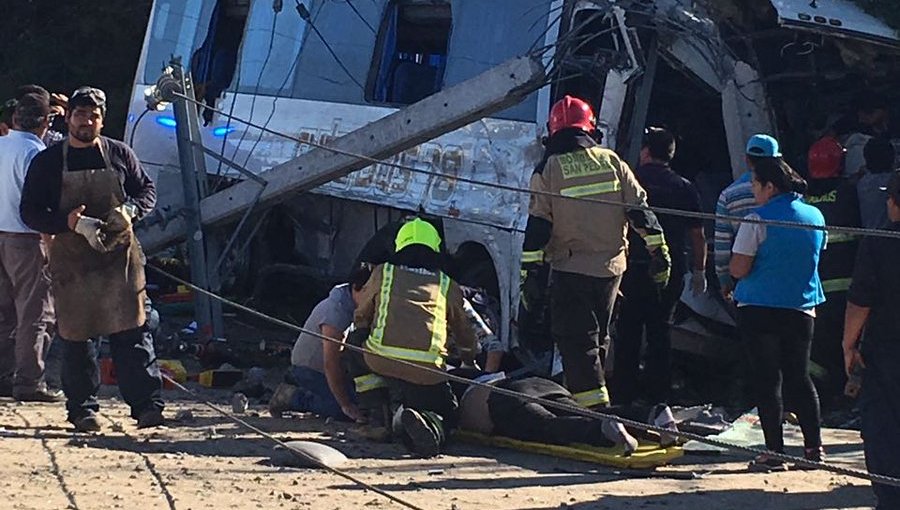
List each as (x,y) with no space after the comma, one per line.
(408,309)
(317,382)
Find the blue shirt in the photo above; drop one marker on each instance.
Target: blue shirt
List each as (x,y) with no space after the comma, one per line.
(17,149)
(785,270)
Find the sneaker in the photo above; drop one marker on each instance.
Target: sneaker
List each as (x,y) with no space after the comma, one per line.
(615,432)
(281,399)
(420,433)
(151,417)
(766,464)
(39,394)
(86,423)
(661,416)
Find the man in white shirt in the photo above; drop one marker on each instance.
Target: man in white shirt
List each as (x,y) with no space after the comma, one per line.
(26,312)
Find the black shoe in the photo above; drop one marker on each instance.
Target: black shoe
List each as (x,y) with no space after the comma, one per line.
(87,423)
(420,434)
(152,417)
(39,394)
(765,464)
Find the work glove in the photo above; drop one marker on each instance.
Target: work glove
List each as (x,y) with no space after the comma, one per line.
(92,230)
(660,266)
(117,228)
(698,282)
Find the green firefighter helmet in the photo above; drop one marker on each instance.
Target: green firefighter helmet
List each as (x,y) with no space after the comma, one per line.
(418,231)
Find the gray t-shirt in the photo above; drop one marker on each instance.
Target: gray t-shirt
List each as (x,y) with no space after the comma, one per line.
(337,311)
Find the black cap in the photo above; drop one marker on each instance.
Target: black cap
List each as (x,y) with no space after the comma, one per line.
(893,188)
(88,96)
(31,109)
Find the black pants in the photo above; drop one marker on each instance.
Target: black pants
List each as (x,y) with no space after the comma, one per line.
(826,346)
(879,406)
(132,353)
(644,309)
(778,343)
(581,307)
(522,419)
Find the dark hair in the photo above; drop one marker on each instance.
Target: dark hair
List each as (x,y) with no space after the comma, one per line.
(660,143)
(780,174)
(359,276)
(25,90)
(756,160)
(31,112)
(879,154)
(870,101)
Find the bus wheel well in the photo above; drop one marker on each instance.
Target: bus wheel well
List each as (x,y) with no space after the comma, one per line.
(472,266)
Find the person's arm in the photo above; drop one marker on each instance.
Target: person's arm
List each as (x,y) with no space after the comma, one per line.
(854,321)
(459,325)
(365,311)
(335,374)
(746,244)
(723,241)
(740,265)
(139,188)
(646,224)
(40,197)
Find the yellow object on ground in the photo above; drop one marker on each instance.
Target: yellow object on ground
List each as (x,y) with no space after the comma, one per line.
(647,456)
(174,369)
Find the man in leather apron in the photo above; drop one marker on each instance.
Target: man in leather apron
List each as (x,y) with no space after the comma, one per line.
(87,191)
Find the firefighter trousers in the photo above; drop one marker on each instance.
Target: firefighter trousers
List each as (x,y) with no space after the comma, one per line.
(581,307)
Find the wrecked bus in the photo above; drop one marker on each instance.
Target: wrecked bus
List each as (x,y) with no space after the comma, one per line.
(713,72)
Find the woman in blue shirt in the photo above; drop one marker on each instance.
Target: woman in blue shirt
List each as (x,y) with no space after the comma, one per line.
(777,294)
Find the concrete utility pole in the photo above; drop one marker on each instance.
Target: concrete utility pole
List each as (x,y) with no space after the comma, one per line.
(490,92)
(207,313)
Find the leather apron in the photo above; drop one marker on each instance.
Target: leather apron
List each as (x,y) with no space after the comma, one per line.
(95,293)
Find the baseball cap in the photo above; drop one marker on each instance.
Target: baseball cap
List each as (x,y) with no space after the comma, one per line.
(763,146)
(32,107)
(893,187)
(88,96)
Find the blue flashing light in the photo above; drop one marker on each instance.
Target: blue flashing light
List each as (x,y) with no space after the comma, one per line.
(222,131)
(168,122)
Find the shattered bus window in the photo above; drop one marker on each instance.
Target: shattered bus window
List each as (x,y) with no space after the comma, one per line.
(411,52)
(214,63)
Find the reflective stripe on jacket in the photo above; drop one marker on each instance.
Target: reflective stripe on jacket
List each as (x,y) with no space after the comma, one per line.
(409,313)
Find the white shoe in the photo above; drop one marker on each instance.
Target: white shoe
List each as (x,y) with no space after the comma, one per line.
(661,416)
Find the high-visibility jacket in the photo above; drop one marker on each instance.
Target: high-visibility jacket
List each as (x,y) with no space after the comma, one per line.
(410,313)
(585,237)
(838,202)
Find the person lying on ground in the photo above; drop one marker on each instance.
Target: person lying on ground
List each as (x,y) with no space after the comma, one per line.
(492,413)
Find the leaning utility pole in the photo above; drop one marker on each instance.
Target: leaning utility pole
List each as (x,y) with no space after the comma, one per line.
(492,91)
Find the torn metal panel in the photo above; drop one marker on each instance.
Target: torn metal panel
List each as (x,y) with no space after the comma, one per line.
(746,111)
(840,18)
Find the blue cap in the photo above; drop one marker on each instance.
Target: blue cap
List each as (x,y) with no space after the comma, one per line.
(763,146)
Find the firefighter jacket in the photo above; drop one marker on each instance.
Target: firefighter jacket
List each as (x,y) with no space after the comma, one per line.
(578,236)
(838,202)
(410,312)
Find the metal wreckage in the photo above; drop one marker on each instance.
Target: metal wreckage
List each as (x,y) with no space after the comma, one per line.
(296,134)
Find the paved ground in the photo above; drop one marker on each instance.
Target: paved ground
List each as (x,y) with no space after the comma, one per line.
(210,463)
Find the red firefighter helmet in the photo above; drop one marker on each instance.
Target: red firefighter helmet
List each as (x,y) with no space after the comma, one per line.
(825,158)
(571,112)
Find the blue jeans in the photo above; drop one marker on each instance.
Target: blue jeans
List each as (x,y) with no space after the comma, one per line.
(880,409)
(313,394)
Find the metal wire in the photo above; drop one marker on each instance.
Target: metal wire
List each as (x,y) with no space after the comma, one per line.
(589,413)
(639,207)
(281,443)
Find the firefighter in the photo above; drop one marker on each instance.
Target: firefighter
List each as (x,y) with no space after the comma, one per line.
(835,196)
(584,243)
(407,310)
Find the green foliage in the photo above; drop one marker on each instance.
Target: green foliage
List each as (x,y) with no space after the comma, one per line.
(887,10)
(62,45)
